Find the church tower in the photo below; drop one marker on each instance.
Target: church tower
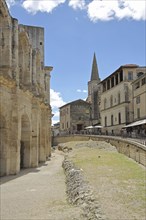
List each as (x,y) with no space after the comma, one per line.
(94,92)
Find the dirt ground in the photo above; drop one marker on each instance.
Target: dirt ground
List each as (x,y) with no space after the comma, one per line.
(37,194)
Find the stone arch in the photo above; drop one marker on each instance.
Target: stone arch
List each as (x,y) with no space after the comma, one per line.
(5,37)
(3,146)
(24,59)
(25,142)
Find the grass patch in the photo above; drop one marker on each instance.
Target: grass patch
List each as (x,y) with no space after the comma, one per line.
(114,176)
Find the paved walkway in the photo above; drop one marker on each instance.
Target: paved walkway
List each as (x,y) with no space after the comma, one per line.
(37,194)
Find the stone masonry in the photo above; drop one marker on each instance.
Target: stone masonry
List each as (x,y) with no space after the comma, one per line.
(25,111)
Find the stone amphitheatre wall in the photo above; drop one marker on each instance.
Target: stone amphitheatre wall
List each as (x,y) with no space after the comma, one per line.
(131,149)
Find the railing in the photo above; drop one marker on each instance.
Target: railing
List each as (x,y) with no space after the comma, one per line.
(140,138)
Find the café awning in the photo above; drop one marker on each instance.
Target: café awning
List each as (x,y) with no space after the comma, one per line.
(91,127)
(136,123)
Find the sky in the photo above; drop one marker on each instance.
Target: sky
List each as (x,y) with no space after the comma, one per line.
(74,29)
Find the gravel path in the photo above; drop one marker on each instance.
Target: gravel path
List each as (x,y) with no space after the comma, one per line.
(37,194)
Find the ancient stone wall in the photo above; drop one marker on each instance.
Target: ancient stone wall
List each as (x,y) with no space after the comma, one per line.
(25,111)
(134,150)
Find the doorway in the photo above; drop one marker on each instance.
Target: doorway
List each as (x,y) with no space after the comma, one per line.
(25,142)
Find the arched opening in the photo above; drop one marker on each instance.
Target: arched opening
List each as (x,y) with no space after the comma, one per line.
(119,117)
(112,120)
(105,121)
(3,147)
(119,98)
(25,142)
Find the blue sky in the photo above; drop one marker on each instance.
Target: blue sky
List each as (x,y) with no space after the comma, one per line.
(74,29)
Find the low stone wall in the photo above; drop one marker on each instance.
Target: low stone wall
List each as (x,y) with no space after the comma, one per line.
(79,193)
(131,149)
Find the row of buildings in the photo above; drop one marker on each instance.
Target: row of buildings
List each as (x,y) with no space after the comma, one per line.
(25,111)
(112,104)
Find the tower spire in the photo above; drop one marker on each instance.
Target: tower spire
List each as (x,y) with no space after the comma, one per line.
(94,73)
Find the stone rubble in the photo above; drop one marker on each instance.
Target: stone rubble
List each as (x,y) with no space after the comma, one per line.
(64,148)
(80,193)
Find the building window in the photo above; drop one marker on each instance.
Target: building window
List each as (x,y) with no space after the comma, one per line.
(105,103)
(67,124)
(138,100)
(117,79)
(130,75)
(108,84)
(121,76)
(111,101)
(119,117)
(105,121)
(140,74)
(138,113)
(119,98)
(143,81)
(104,86)
(137,85)
(112,120)
(112,81)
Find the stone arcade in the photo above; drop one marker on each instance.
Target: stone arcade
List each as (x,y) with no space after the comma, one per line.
(25,111)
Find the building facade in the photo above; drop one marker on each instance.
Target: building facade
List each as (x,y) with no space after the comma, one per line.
(75,116)
(25,111)
(139,96)
(117,107)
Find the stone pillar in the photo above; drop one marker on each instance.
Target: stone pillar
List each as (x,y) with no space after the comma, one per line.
(30,64)
(14,141)
(15,73)
(34,79)
(35,133)
(28,68)
(47,69)
(49,133)
(42,153)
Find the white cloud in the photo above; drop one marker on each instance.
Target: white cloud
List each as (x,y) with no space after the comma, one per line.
(56,114)
(10,2)
(84,91)
(133,9)
(110,9)
(54,121)
(75,4)
(103,10)
(56,99)
(33,6)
